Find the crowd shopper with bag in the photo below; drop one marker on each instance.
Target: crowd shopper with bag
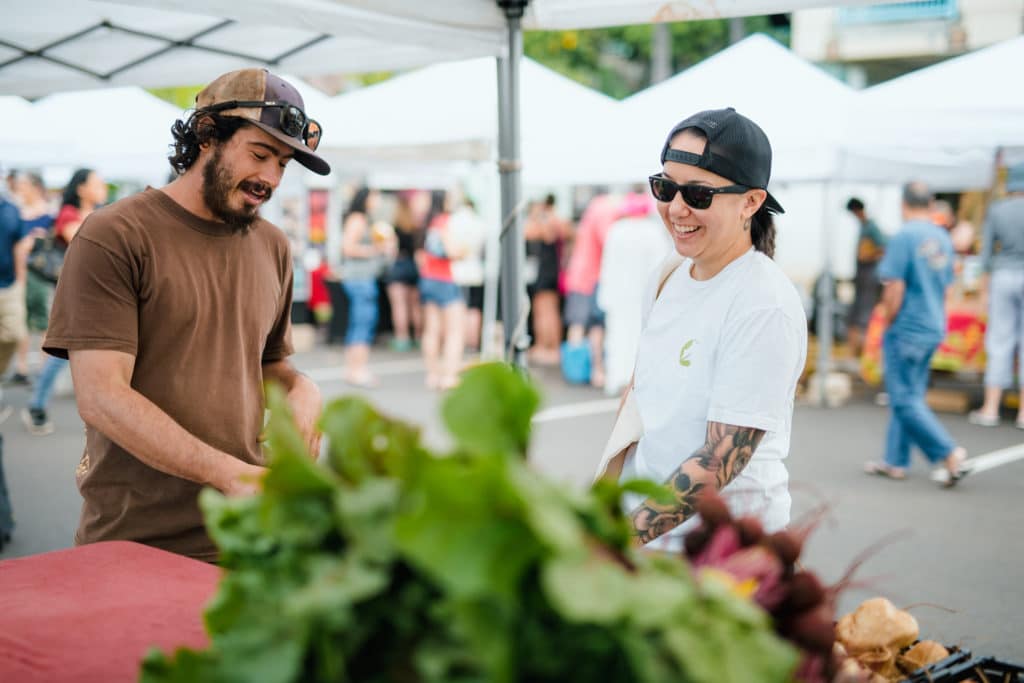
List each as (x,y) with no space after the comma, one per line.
(84,193)
(403,275)
(365,252)
(30,194)
(444,305)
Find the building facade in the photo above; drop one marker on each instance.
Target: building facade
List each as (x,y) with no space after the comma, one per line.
(868,44)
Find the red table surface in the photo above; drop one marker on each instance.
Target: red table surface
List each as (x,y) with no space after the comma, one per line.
(89,614)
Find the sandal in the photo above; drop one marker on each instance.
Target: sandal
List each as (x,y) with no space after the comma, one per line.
(959,471)
(883,470)
(361,381)
(976,417)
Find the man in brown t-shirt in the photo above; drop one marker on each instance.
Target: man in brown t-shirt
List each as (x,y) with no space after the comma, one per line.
(173,306)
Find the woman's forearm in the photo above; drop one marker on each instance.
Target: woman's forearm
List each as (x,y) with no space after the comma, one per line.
(726,451)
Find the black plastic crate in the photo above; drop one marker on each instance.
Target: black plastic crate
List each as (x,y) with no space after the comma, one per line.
(961,666)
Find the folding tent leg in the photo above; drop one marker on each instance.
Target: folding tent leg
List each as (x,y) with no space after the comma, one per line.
(513,248)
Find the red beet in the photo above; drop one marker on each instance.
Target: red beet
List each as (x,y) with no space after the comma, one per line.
(695,541)
(813,629)
(805,592)
(713,510)
(725,541)
(786,545)
(750,530)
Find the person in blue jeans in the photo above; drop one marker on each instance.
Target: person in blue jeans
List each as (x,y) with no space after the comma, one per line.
(916,270)
(364,253)
(85,192)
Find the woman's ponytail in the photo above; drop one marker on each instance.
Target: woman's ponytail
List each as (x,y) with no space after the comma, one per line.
(762,231)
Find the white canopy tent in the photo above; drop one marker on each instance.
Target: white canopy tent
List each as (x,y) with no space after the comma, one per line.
(426,115)
(944,123)
(55,45)
(123,133)
(24,140)
(799,106)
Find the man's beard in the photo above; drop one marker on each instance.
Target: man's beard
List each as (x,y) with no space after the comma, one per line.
(218,183)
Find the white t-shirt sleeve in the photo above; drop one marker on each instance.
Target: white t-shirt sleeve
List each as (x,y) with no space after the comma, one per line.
(756,370)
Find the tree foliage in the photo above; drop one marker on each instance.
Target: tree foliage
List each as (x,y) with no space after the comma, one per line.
(617,61)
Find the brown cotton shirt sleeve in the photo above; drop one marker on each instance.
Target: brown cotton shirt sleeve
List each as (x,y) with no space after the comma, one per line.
(96,302)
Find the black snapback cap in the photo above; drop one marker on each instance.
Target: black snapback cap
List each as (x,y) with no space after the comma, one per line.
(736,149)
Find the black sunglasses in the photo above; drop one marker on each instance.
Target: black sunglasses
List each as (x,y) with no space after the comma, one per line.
(696,196)
(293,122)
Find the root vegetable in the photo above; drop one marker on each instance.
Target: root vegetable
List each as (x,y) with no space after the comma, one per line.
(805,591)
(876,625)
(750,530)
(713,510)
(786,545)
(812,629)
(882,661)
(921,655)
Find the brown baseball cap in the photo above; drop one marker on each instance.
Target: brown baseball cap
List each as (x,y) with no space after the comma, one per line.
(271,104)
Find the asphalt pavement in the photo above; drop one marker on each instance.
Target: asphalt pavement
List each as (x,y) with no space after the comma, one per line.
(953,556)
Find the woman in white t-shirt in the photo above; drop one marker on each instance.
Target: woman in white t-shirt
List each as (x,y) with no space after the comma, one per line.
(724,337)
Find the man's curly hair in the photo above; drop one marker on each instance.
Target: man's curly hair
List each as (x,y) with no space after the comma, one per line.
(199,128)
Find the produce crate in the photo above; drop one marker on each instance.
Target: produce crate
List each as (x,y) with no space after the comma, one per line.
(961,666)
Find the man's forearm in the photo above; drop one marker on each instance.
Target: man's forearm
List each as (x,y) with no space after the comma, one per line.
(726,451)
(139,426)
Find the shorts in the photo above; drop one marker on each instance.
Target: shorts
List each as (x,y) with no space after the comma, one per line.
(12,313)
(403,271)
(439,292)
(475,297)
(581,309)
(362,311)
(867,291)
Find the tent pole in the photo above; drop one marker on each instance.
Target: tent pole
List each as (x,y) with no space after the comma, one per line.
(825,305)
(513,249)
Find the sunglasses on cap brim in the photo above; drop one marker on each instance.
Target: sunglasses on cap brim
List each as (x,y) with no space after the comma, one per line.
(292,121)
(696,196)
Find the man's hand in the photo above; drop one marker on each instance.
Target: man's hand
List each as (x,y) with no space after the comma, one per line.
(303,398)
(243,480)
(306,406)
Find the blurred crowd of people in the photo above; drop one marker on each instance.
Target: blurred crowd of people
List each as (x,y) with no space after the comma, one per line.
(424,252)
(36,227)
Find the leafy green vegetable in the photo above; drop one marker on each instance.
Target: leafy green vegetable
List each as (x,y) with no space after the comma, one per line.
(391,563)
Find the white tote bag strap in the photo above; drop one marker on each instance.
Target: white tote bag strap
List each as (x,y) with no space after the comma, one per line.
(628,427)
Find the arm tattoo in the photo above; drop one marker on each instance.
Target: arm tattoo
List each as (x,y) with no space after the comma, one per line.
(726,451)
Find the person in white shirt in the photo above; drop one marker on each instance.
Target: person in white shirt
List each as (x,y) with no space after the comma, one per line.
(635,245)
(724,340)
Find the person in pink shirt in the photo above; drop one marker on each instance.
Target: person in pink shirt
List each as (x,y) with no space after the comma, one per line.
(582,314)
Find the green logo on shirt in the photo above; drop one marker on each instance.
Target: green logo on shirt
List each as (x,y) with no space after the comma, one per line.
(684,358)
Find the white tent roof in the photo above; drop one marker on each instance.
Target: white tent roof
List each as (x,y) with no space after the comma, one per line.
(799,106)
(123,133)
(942,123)
(175,42)
(449,112)
(24,139)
